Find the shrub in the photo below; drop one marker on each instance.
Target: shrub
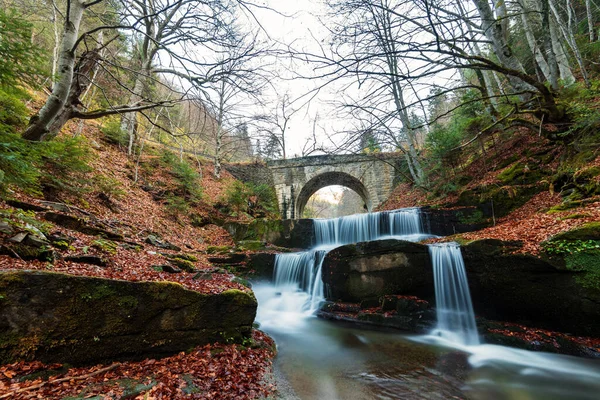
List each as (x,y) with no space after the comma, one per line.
(187,177)
(58,165)
(63,164)
(114,134)
(251,198)
(19,58)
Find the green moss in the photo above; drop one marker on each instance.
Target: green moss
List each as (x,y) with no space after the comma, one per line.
(181,256)
(589,231)
(587,262)
(62,245)
(218,249)
(107,246)
(572,216)
(510,174)
(475,217)
(240,298)
(185,265)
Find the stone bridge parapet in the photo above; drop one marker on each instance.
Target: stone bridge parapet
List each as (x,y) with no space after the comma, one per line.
(297,179)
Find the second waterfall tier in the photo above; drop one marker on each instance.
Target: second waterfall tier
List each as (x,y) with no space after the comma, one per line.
(298,275)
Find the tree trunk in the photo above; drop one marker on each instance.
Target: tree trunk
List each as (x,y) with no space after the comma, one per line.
(39,125)
(129,120)
(590,19)
(494,32)
(570,39)
(220,131)
(552,63)
(533,46)
(82,78)
(564,67)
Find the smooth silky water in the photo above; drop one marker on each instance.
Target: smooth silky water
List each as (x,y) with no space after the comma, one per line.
(331,360)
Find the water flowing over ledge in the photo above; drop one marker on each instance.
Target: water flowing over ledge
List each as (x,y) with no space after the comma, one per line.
(454,311)
(297,276)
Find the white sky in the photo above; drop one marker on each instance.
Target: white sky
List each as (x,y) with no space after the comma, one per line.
(297,24)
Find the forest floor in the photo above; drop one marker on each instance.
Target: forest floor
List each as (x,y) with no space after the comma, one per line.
(217,371)
(532,223)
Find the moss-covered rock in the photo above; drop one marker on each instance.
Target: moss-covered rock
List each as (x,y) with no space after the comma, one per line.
(61,318)
(589,231)
(499,201)
(520,173)
(185,265)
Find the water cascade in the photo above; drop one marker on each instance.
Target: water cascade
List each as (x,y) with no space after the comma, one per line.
(298,275)
(454,311)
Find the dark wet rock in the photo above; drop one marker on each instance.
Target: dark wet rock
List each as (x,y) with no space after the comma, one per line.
(160,243)
(233,258)
(36,241)
(528,289)
(26,206)
(87,259)
(263,265)
(443,222)
(74,319)
(59,237)
(28,253)
(415,315)
(370,303)
(361,271)
(534,339)
(404,305)
(166,268)
(260,229)
(81,225)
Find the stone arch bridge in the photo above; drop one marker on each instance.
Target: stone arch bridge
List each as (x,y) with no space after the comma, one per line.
(297,179)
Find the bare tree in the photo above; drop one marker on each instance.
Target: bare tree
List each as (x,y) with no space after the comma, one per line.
(168,37)
(274,128)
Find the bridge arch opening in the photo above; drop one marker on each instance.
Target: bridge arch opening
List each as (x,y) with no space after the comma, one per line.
(331,179)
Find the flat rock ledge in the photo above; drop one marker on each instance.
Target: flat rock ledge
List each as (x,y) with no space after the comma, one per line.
(55,317)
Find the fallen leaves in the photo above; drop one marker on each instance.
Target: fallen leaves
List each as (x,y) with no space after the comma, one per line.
(209,372)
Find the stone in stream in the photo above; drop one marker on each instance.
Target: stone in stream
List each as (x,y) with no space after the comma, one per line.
(366,270)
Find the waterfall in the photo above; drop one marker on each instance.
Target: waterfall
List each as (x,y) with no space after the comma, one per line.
(455,316)
(298,275)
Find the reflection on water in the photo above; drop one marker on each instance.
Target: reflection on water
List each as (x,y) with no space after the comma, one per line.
(326,360)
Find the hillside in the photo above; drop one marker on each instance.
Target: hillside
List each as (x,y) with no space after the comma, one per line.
(138,236)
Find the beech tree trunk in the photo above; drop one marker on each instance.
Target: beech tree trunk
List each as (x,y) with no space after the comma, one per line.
(495,32)
(40,124)
(590,19)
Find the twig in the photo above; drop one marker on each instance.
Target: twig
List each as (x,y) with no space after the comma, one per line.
(67,378)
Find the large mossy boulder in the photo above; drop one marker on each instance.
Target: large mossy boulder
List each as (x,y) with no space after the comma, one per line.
(360,271)
(528,289)
(55,317)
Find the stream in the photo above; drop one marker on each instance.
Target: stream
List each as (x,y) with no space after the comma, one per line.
(332,360)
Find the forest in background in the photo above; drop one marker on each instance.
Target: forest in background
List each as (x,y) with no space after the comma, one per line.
(436,81)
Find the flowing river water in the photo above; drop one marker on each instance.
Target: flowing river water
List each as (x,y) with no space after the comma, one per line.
(332,360)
